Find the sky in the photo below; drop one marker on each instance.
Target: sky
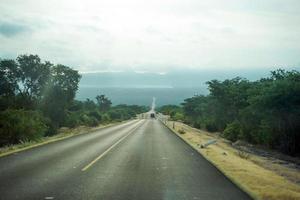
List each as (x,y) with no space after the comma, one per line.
(153,35)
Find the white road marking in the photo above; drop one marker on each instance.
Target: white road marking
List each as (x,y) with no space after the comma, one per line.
(109,149)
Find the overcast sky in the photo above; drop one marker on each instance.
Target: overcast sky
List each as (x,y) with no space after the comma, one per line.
(153,35)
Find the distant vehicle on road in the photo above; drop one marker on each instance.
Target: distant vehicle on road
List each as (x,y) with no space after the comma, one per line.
(152,115)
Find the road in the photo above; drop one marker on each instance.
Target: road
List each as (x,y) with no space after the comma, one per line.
(136,160)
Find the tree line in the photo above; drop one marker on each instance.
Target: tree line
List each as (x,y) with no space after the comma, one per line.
(37,98)
(264,112)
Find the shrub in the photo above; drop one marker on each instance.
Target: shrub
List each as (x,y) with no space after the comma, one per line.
(181,131)
(88,120)
(178,116)
(115,115)
(92,122)
(106,118)
(51,127)
(210,125)
(19,125)
(197,124)
(72,120)
(232,131)
(95,114)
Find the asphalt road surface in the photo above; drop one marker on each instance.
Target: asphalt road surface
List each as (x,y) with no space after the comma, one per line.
(137,160)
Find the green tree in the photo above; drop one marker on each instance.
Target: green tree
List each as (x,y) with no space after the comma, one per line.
(66,79)
(60,93)
(8,80)
(229,97)
(265,112)
(277,100)
(8,83)
(103,102)
(33,75)
(89,105)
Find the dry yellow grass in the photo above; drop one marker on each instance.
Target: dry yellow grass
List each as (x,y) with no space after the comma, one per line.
(256,175)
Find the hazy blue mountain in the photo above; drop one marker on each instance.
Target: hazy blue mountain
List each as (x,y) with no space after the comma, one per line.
(188,78)
(169,88)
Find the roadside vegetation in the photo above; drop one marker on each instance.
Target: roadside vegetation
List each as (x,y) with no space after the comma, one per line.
(174,111)
(38,98)
(264,112)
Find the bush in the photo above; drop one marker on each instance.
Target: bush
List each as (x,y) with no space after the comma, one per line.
(72,120)
(88,120)
(265,135)
(51,127)
(96,114)
(181,131)
(19,125)
(115,115)
(210,126)
(92,122)
(106,118)
(232,131)
(178,117)
(197,124)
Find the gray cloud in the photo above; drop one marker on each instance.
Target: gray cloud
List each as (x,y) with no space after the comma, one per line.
(9,29)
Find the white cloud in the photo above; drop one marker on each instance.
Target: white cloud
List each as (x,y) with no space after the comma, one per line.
(155,35)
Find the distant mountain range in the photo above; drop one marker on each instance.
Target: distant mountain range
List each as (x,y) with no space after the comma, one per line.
(169,88)
(176,78)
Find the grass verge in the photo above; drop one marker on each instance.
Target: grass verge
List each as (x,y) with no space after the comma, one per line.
(256,175)
(64,133)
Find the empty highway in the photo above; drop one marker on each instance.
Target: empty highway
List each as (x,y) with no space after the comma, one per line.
(136,160)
